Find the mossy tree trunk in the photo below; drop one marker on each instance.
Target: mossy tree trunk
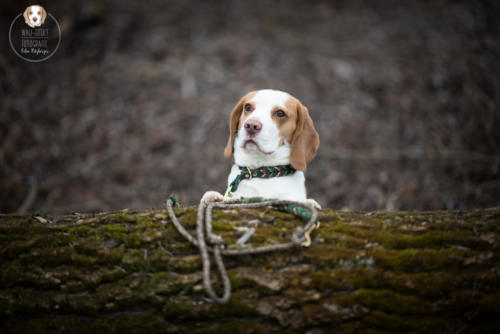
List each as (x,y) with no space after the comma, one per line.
(131,272)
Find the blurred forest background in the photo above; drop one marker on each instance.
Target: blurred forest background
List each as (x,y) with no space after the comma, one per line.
(135,104)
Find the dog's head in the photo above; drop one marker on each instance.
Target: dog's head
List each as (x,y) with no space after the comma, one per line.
(270,127)
(34,15)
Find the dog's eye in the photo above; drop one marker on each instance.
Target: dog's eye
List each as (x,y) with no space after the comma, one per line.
(248,107)
(31,12)
(38,12)
(279,113)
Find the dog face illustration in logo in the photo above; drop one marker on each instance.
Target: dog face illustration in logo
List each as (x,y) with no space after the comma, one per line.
(34,16)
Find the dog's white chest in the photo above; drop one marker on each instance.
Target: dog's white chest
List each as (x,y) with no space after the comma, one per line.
(290,187)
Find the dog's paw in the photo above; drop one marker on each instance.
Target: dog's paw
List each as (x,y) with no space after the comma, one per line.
(212,196)
(313,203)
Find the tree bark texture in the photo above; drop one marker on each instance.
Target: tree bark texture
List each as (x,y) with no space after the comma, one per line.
(131,272)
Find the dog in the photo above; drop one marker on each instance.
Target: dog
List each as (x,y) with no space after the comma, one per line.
(34,16)
(269,128)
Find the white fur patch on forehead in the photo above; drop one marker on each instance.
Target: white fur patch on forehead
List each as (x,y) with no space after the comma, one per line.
(270,98)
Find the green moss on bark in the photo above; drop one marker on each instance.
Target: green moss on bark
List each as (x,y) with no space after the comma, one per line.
(130,271)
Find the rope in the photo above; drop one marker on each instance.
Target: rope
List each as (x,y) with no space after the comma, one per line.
(207,242)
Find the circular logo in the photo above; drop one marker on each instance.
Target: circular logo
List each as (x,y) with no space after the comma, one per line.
(34,35)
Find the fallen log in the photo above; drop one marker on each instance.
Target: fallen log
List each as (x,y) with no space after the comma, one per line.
(131,272)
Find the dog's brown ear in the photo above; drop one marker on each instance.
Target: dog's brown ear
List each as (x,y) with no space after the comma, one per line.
(233,125)
(25,14)
(44,15)
(305,140)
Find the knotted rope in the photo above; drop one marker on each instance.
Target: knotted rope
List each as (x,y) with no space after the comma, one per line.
(207,242)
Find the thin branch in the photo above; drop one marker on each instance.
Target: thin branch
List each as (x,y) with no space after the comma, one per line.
(30,198)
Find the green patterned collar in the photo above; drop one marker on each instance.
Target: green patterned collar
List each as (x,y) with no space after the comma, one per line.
(261,172)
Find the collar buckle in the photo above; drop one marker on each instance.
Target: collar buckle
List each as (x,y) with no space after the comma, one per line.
(249,173)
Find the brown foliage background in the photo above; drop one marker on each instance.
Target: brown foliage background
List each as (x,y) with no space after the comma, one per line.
(135,103)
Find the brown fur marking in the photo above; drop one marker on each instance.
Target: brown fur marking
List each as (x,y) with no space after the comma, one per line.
(305,140)
(237,118)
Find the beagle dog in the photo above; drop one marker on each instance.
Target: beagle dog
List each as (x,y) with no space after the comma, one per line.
(34,16)
(269,129)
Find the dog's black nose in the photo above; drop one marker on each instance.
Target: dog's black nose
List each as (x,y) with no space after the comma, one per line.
(34,19)
(253,127)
